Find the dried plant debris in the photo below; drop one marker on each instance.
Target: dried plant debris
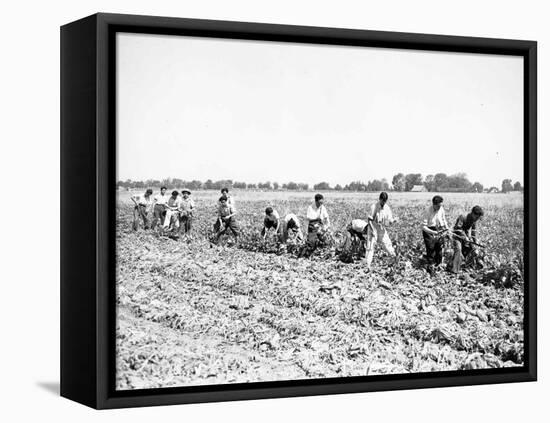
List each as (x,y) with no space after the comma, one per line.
(191,312)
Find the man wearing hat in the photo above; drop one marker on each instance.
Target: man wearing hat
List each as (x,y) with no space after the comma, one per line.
(186,206)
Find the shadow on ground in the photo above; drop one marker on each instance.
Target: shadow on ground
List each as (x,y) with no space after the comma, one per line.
(51,387)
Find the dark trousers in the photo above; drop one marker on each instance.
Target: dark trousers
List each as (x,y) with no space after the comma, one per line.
(316,235)
(316,229)
(159,213)
(315,238)
(140,212)
(461,250)
(186,220)
(222,226)
(354,233)
(434,247)
(313,232)
(355,242)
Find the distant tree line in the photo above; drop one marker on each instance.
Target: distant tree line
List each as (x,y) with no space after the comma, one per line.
(374,185)
(440,182)
(211,185)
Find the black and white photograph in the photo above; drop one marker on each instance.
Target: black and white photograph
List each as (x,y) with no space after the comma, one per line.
(290,211)
(284,211)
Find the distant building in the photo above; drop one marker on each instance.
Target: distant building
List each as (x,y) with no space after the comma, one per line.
(492,190)
(419,188)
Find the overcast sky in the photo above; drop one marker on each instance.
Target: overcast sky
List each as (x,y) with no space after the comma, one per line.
(199,108)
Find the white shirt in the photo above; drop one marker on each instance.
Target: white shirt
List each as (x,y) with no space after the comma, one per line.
(434,218)
(314,213)
(358,225)
(161,199)
(381,215)
(142,200)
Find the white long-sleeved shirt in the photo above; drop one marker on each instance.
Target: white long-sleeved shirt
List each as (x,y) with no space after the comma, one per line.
(432,218)
(318,213)
(382,216)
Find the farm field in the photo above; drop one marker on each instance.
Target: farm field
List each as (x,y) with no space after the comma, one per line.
(192,313)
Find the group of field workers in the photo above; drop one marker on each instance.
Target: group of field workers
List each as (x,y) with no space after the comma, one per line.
(435,231)
(174,214)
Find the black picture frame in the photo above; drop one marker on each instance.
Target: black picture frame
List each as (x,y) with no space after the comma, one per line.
(87,215)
